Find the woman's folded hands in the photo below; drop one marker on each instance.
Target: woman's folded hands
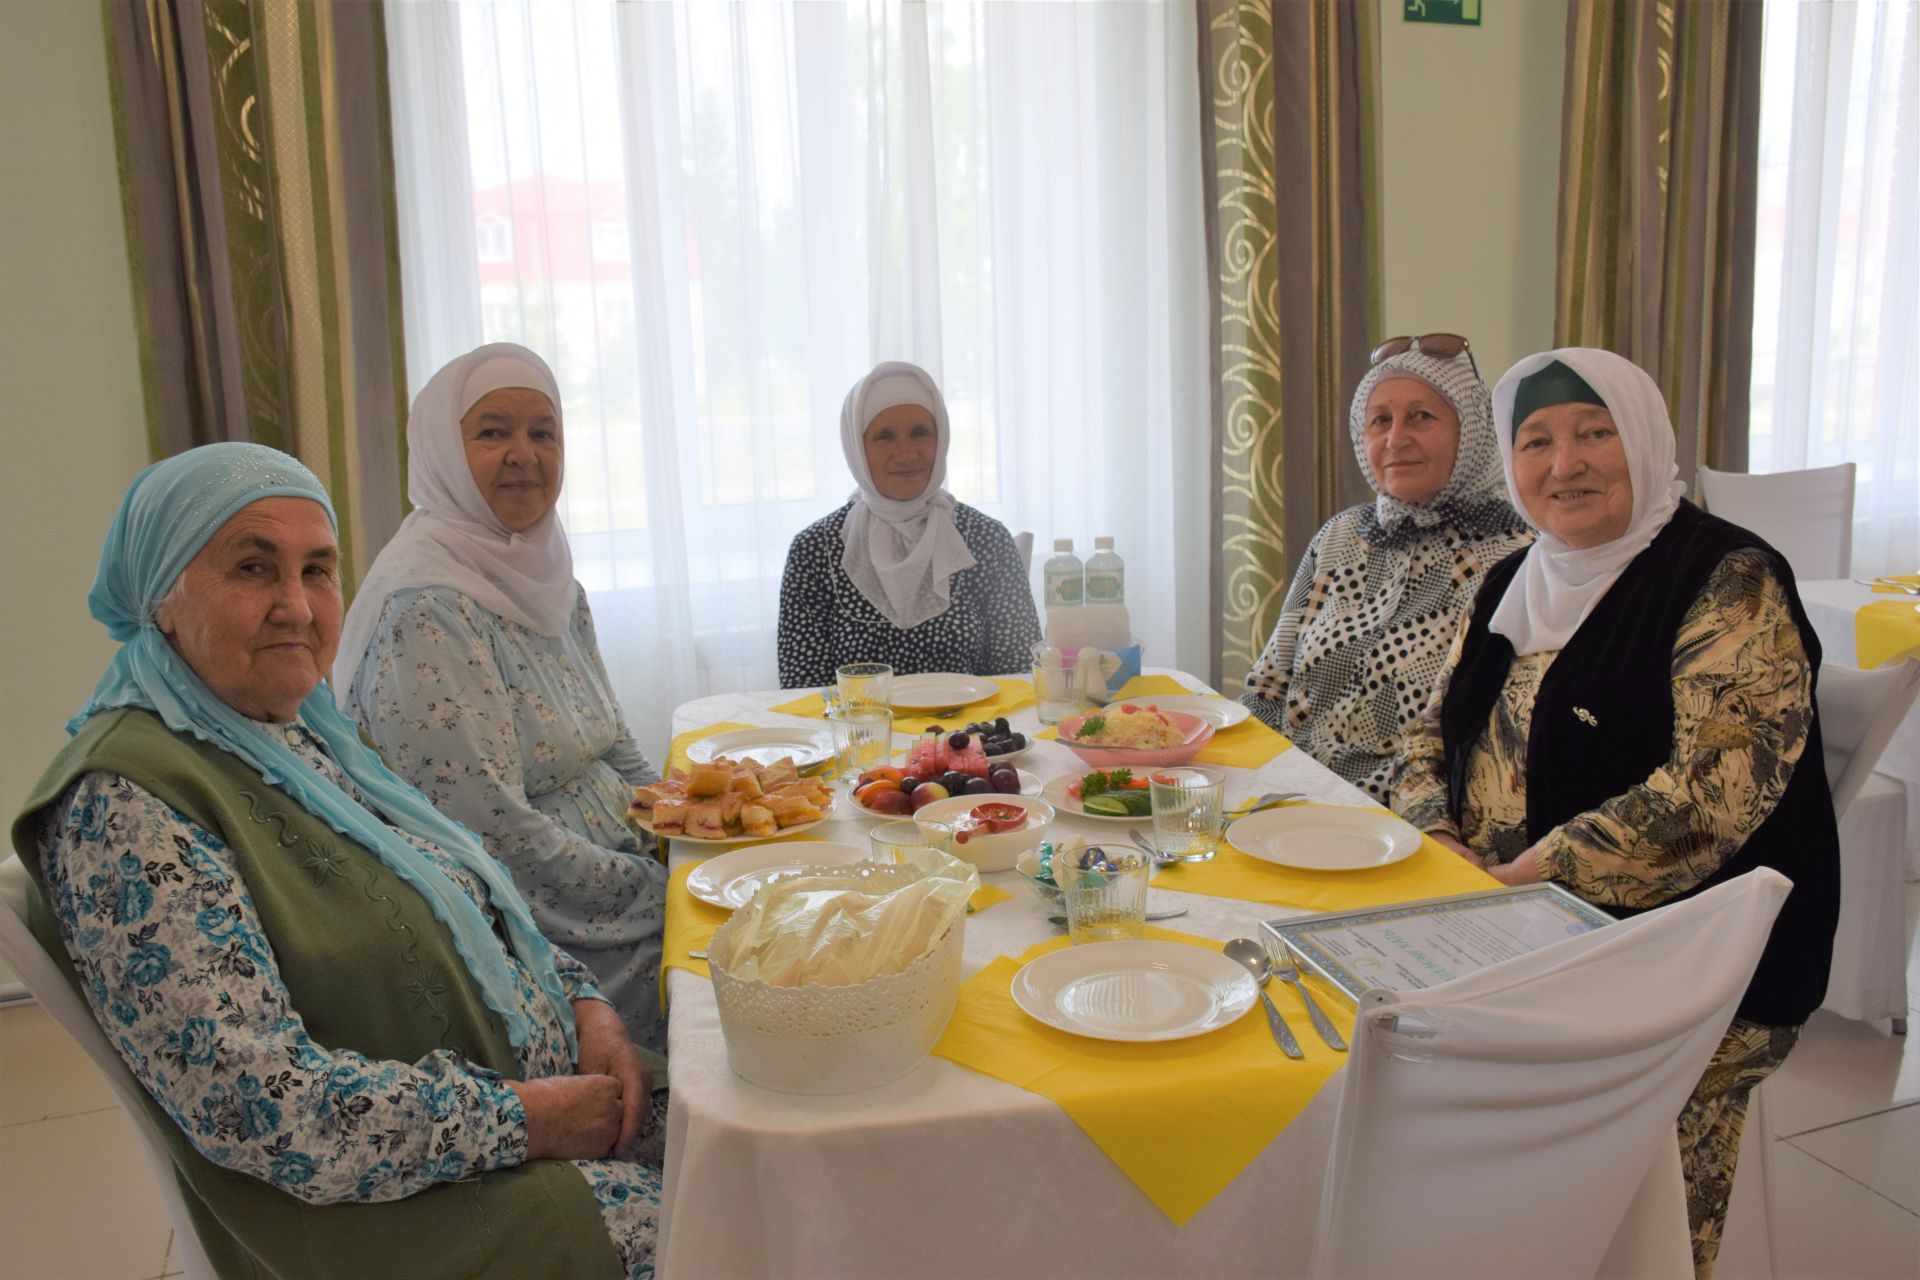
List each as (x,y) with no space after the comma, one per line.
(597,1112)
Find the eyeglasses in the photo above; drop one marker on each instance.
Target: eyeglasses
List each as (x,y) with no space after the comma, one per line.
(1441,346)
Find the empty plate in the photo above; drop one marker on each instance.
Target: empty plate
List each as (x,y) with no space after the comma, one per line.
(731,879)
(1324,837)
(1146,990)
(808,747)
(938,690)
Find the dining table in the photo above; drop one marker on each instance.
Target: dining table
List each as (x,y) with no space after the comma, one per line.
(951,1171)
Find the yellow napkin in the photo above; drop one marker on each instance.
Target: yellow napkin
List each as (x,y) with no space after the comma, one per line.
(1886,631)
(1013,694)
(986,896)
(1147,686)
(1893,581)
(1434,871)
(1181,1118)
(690,926)
(677,753)
(1247,745)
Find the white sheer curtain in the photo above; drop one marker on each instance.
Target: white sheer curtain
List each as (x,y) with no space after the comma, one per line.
(1836,324)
(713,217)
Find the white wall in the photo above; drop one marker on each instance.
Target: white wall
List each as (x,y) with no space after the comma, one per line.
(1470,163)
(75,426)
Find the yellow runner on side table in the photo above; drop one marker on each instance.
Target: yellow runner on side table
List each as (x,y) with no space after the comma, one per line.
(1013,695)
(1181,1118)
(1885,631)
(1433,871)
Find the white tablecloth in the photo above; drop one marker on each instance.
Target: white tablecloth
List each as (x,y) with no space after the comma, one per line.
(947,1172)
(1830,605)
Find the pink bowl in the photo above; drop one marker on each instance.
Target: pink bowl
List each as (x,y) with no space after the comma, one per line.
(1195,733)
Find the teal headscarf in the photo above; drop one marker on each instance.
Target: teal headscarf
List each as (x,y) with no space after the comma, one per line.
(169,512)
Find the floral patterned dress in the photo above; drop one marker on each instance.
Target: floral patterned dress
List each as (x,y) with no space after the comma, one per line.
(517,736)
(171,957)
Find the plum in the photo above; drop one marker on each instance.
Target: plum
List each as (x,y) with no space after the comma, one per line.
(979,787)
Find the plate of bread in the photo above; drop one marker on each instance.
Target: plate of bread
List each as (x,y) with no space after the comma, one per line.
(727,801)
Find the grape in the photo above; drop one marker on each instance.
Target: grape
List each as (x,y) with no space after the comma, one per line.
(1005,781)
(956,782)
(979,787)
(959,741)
(1018,742)
(1001,724)
(908,783)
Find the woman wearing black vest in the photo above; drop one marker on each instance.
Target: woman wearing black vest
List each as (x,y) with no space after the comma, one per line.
(1629,710)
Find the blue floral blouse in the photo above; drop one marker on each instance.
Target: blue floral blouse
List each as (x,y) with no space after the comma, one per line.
(171,957)
(517,736)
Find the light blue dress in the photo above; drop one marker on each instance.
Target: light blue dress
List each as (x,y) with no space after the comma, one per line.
(517,735)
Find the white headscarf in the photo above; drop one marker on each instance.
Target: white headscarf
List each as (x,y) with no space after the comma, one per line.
(452,538)
(901,555)
(1558,586)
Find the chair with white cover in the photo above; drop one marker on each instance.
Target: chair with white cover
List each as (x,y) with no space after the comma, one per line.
(1859,713)
(43,977)
(1519,1121)
(1023,543)
(1806,515)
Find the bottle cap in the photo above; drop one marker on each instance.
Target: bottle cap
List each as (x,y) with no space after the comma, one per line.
(1103,543)
(1063,544)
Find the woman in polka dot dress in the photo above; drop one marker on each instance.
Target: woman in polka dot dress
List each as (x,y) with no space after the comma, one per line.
(1372,610)
(903,573)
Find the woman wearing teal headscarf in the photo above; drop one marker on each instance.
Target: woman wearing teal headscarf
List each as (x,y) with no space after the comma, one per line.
(367,1058)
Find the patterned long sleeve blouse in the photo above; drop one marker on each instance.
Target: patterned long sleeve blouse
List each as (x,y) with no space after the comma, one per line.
(173,960)
(1743,710)
(1362,637)
(518,736)
(989,627)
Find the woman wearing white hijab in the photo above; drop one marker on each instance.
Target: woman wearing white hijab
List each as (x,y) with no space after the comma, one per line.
(903,573)
(469,658)
(1629,710)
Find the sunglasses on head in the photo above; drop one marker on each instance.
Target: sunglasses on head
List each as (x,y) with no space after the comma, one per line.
(1441,346)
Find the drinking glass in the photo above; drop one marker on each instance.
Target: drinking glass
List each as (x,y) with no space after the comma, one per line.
(889,838)
(1189,812)
(865,684)
(1108,904)
(862,739)
(1055,694)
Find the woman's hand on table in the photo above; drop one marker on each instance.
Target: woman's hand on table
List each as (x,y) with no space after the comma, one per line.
(1524,869)
(606,1051)
(1453,843)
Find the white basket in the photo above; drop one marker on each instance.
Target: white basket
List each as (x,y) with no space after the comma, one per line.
(819,1039)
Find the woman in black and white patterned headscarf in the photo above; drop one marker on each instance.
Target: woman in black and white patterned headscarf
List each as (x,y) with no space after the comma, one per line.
(1374,604)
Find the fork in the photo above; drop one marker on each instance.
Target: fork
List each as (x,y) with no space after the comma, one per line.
(1885,584)
(1266,801)
(1285,970)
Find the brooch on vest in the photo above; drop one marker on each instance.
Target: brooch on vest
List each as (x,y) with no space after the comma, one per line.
(1586,717)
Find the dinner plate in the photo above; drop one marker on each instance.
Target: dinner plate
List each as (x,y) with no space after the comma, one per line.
(1146,990)
(1055,793)
(1219,712)
(1029,786)
(938,690)
(1324,837)
(731,879)
(808,747)
(795,829)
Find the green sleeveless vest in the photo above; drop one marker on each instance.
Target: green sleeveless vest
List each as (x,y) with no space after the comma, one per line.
(369,969)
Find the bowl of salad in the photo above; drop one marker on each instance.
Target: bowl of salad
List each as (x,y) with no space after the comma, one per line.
(1135,735)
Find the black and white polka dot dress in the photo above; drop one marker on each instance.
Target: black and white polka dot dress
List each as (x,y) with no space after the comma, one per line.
(824,620)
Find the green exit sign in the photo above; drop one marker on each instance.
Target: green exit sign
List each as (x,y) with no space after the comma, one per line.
(1457,13)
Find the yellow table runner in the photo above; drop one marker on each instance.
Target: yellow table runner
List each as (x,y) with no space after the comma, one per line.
(1892,582)
(1013,695)
(1247,745)
(1181,1118)
(677,753)
(1434,871)
(1886,631)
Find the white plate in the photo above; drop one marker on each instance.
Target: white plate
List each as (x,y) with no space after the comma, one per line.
(808,747)
(731,879)
(794,830)
(1324,837)
(1145,990)
(1219,712)
(1055,794)
(938,690)
(1029,786)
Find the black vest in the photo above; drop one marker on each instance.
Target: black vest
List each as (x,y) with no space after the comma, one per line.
(1603,722)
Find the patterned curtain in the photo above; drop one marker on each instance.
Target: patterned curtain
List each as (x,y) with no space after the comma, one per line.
(257,174)
(1288,112)
(1659,145)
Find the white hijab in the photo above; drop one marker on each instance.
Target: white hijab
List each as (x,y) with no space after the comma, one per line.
(1558,586)
(901,555)
(452,538)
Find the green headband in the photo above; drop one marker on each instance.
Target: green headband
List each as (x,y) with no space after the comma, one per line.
(1551,385)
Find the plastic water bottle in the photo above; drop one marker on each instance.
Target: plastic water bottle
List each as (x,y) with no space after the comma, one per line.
(1106,574)
(1063,575)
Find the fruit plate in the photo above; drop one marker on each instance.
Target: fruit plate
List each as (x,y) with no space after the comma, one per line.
(1029,786)
(1056,794)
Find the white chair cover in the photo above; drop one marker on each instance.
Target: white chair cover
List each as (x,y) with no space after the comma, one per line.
(1806,515)
(1859,713)
(41,976)
(1501,1124)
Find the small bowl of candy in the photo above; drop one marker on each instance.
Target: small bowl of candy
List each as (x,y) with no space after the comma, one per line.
(1036,865)
(991,832)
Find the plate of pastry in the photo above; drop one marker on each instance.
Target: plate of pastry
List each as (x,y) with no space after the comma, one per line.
(729,801)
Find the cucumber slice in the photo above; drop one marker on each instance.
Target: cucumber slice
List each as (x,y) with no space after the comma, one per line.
(1107,806)
(1139,803)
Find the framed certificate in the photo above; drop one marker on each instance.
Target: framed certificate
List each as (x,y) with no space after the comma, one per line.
(1411,946)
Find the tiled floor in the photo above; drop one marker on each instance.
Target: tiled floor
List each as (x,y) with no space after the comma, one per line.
(77,1201)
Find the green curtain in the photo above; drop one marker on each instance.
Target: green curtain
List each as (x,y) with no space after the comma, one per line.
(1289,113)
(257,173)
(1660,140)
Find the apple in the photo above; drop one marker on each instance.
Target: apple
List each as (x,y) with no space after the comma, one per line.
(925,794)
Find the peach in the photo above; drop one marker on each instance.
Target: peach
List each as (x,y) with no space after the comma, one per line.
(893,803)
(873,790)
(926,793)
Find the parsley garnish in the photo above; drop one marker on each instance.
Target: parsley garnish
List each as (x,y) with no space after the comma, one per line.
(1092,726)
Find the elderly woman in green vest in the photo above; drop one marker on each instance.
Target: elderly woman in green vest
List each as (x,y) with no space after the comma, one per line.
(369,1060)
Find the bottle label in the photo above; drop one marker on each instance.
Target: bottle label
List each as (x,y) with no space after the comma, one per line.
(1064,589)
(1103,588)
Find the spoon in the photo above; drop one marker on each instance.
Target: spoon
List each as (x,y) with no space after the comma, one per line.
(1252,957)
(1140,843)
